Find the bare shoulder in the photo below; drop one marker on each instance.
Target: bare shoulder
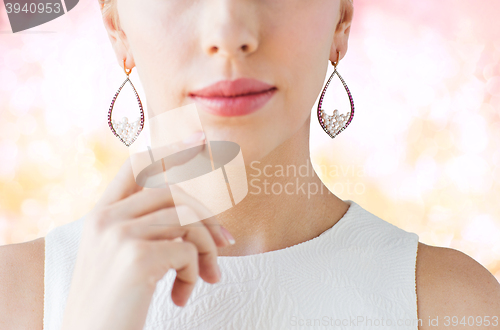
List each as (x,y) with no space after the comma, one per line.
(453,289)
(21,285)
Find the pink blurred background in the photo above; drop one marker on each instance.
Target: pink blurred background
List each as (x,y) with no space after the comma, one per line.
(423,150)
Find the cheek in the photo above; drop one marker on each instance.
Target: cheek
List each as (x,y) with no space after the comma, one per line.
(304,38)
(162,43)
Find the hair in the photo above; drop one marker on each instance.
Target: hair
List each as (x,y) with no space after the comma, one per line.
(108,7)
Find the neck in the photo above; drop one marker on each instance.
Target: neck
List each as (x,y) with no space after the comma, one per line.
(286,204)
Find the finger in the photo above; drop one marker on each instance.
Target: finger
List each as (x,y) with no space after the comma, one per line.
(142,203)
(183,257)
(205,216)
(164,224)
(124,184)
(152,200)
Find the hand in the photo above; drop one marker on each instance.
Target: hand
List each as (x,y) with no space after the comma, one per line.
(121,256)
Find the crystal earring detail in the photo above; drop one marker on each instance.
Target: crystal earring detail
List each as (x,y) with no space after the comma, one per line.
(125,131)
(335,123)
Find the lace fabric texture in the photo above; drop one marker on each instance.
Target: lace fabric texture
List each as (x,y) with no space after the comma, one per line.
(359,274)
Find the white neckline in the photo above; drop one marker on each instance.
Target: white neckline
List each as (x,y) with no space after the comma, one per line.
(349,214)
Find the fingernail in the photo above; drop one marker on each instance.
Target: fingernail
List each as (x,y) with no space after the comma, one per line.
(195,137)
(227,235)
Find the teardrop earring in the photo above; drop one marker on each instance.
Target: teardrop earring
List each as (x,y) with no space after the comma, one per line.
(335,123)
(125,131)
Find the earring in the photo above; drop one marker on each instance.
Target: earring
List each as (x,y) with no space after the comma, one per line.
(335,123)
(123,130)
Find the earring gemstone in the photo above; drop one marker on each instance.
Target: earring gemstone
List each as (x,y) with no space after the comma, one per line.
(127,131)
(335,123)
(123,130)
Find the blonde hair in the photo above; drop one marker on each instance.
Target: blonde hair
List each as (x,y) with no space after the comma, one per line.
(108,7)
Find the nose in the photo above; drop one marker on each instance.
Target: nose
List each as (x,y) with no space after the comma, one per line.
(230,28)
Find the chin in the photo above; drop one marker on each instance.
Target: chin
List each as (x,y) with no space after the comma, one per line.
(254,144)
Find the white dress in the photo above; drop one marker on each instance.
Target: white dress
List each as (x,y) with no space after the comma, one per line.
(359,274)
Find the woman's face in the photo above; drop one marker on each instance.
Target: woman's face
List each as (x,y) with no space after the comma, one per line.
(181,46)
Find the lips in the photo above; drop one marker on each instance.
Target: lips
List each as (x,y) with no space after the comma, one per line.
(228,88)
(234,97)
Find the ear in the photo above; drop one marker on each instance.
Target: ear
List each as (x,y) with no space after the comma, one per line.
(118,40)
(341,36)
